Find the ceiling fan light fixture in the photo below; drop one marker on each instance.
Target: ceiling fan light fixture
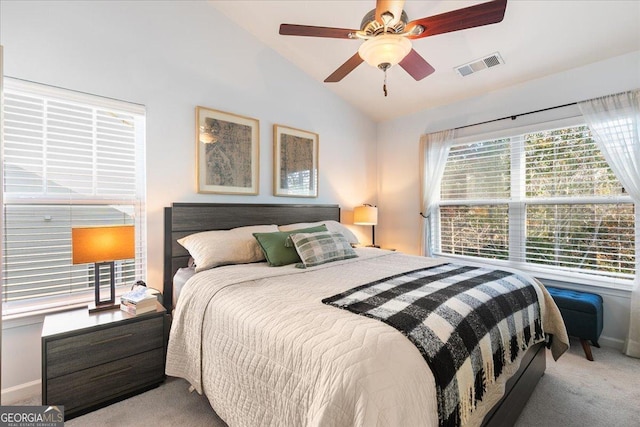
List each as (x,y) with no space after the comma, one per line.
(385,49)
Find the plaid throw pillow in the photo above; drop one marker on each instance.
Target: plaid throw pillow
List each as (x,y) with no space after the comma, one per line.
(321,247)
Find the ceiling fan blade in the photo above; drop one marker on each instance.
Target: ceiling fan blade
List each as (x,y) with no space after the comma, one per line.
(416,66)
(473,16)
(311,31)
(393,6)
(345,69)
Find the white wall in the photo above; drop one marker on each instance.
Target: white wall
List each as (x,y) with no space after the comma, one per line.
(398,142)
(172,56)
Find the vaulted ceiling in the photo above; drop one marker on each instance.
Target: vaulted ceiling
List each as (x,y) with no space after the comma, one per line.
(536,38)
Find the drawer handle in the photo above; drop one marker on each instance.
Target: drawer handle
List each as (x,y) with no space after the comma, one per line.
(112,339)
(108,374)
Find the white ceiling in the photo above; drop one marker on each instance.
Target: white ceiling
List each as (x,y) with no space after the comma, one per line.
(535,39)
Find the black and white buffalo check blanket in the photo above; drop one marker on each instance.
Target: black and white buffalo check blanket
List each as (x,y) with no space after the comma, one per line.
(468,322)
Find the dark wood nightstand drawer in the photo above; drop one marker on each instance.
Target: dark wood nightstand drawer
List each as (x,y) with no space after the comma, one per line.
(82,389)
(94,359)
(93,348)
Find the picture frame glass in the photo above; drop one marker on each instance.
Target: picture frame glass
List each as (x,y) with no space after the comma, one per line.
(295,162)
(228,152)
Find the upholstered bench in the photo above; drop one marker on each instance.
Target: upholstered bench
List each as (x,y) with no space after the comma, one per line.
(582,314)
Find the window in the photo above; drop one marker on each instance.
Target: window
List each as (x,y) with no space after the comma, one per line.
(543,200)
(70,159)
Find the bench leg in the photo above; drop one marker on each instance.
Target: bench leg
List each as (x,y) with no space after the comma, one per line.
(587,349)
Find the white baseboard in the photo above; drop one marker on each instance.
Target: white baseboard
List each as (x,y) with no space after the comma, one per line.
(611,342)
(22,392)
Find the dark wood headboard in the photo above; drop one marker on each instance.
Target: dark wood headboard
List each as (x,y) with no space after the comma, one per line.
(182,219)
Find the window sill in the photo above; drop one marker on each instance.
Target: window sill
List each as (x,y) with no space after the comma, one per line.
(558,277)
(22,313)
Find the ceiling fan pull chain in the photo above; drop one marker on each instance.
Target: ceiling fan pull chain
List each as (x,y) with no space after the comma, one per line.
(384,85)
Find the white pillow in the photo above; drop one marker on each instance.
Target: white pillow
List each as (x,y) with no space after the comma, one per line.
(221,247)
(334,226)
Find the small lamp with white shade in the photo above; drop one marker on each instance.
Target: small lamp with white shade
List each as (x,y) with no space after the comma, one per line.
(367,215)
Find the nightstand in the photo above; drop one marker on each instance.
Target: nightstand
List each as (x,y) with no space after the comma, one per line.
(90,360)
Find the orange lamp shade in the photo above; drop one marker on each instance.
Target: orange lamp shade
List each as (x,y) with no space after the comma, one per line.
(102,244)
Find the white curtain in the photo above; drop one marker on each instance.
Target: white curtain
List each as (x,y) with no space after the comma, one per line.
(434,149)
(614,123)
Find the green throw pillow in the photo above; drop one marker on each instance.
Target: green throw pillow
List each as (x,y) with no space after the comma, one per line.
(274,249)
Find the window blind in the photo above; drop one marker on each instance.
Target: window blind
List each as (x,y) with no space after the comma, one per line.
(543,198)
(478,230)
(70,160)
(582,229)
(475,192)
(480,170)
(567,163)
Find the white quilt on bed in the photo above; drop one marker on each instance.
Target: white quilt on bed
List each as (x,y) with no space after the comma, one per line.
(265,350)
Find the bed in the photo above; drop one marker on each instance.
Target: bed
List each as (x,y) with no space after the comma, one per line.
(260,343)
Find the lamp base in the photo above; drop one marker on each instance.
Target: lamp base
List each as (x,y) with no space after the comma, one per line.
(93,308)
(372,246)
(99,303)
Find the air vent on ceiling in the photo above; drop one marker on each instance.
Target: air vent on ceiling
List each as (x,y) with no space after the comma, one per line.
(480,64)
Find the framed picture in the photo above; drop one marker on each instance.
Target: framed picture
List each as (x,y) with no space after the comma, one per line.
(227,152)
(295,162)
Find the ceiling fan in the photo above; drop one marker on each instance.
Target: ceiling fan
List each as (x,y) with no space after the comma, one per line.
(387,32)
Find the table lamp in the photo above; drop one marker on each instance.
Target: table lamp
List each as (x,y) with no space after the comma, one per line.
(367,215)
(103,246)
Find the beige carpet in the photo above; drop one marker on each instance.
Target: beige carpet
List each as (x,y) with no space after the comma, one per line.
(171,404)
(573,392)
